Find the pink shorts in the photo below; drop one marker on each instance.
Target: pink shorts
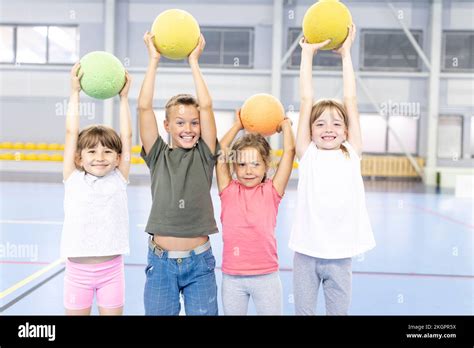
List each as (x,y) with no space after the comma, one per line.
(106,278)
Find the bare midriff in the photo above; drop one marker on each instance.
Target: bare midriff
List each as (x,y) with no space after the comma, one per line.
(179,244)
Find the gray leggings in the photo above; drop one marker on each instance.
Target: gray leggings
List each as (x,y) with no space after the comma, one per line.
(336,276)
(265,290)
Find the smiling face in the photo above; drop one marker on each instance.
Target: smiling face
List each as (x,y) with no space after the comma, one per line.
(250,168)
(329,131)
(98,150)
(183,125)
(99,160)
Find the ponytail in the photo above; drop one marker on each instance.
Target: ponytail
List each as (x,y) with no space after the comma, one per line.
(345,151)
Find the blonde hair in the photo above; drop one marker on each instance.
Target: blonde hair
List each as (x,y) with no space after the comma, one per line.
(259,143)
(320,106)
(91,136)
(180,99)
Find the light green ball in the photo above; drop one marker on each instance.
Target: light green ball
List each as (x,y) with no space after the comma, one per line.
(104,75)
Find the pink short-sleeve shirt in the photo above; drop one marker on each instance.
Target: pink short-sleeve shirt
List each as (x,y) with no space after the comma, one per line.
(248,218)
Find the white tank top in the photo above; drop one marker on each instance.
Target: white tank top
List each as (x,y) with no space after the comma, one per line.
(331,220)
(95,215)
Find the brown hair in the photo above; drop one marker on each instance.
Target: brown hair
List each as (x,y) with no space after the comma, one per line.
(320,106)
(91,136)
(259,143)
(180,99)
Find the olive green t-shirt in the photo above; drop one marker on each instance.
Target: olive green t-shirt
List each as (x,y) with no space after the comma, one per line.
(181,180)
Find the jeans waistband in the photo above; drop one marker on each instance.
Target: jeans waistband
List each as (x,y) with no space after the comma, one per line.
(177,254)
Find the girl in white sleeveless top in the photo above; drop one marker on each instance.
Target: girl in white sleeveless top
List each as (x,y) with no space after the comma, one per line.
(331,224)
(95,230)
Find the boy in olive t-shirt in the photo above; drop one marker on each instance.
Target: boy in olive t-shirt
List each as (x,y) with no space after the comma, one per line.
(180,259)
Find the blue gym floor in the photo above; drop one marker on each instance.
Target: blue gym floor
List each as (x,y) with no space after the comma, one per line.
(422,265)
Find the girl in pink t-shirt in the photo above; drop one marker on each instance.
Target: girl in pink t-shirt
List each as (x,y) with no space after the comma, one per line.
(249,209)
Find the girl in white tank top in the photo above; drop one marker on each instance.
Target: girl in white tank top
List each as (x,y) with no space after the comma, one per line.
(331,221)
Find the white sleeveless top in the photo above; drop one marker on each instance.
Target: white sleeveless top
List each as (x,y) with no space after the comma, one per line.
(331,219)
(95,215)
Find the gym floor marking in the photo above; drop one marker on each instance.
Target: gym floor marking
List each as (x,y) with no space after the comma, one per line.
(30,278)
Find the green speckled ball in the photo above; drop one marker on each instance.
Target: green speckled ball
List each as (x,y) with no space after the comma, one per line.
(104,75)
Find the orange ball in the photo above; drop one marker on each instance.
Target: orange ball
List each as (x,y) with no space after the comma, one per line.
(262,113)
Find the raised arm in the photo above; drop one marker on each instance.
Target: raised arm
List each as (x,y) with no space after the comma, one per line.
(222,167)
(72,123)
(206,113)
(350,98)
(303,137)
(125,128)
(146,115)
(283,173)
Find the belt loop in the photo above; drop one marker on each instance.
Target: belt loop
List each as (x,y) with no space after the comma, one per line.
(156,249)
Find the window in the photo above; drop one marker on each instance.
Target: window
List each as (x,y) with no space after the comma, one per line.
(225,47)
(472,136)
(458,51)
(378,138)
(326,59)
(224,121)
(450,137)
(7,54)
(63,44)
(389,50)
(374,133)
(31,44)
(35,44)
(160,116)
(406,128)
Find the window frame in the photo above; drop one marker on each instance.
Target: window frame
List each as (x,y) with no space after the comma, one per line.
(290,66)
(362,56)
(443,51)
(13,42)
(15,27)
(461,150)
(221,65)
(387,132)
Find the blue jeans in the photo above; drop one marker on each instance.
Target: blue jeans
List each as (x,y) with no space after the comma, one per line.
(192,276)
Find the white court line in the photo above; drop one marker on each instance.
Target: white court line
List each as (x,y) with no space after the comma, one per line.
(31,222)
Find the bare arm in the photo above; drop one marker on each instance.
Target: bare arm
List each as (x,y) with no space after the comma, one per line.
(222,167)
(206,113)
(147,120)
(303,137)
(125,128)
(283,173)
(350,98)
(72,124)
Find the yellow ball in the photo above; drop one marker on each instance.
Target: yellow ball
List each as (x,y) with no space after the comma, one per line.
(262,113)
(18,146)
(327,19)
(44,157)
(7,156)
(56,157)
(53,147)
(136,148)
(19,156)
(6,145)
(31,157)
(176,33)
(41,146)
